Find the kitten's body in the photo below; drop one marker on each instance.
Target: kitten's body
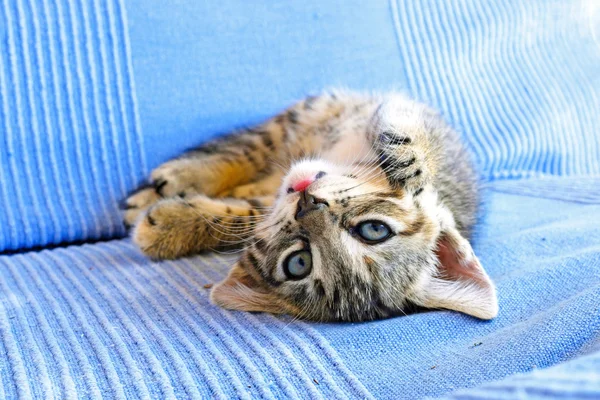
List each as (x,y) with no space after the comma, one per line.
(309,183)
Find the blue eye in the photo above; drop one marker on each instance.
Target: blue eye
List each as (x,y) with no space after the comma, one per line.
(373,232)
(298,264)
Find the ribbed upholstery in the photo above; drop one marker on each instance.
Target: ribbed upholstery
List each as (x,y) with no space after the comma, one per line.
(520,78)
(574,380)
(70,142)
(101,321)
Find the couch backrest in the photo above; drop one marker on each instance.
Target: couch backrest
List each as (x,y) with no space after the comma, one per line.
(94,94)
(71,140)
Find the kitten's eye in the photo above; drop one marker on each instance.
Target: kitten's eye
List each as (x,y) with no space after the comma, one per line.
(298,264)
(373,232)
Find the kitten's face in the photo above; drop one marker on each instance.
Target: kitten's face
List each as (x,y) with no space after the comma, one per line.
(341,244)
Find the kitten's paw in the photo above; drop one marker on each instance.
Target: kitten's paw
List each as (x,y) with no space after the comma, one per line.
(403,158)
(179,227)
(179,177)
(401,130)
(138,203)
(167,228)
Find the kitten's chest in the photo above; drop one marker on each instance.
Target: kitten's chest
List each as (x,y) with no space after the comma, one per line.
(346,140)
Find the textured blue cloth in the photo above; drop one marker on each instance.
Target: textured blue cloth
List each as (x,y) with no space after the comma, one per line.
(70,136)
(577,379)
(93,94)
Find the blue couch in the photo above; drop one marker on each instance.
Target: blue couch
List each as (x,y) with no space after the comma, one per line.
(94,94)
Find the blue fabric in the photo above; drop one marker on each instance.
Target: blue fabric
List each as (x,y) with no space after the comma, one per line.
(577,379)
(101,320)
(70,138)
(93,94)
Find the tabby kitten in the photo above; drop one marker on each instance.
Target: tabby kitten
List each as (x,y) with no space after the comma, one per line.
(349,207)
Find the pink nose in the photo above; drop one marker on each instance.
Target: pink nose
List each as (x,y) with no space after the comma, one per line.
(302,185)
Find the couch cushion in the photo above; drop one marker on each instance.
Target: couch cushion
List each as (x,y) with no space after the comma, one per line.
(101,319)
(577,379)
(93,94)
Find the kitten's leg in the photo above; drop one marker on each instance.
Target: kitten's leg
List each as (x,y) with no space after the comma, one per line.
(217,167)
(179,226)
(266,186)
(229,165)
(139,202)
(234,165)
(401,135)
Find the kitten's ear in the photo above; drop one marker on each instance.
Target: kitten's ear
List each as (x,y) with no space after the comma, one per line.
(240,291)
(461,283)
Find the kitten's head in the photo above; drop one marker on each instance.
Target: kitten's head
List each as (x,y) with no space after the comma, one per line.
(342,245)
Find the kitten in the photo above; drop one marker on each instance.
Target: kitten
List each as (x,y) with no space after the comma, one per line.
(351,207)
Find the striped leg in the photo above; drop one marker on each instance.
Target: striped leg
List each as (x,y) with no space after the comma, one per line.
(177,227)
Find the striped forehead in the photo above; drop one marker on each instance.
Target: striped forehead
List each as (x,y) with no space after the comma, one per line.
(390,206)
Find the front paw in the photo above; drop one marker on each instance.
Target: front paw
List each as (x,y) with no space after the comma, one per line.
(179,177)
(404,160)
(168,229)
(180,227)
(137,203)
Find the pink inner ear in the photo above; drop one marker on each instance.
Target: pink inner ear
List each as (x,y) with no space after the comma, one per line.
(457,263)
(461,283)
